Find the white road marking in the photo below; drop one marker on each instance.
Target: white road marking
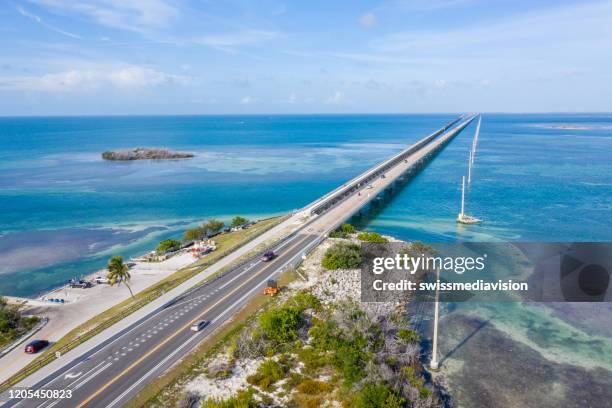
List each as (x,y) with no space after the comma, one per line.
(87,379)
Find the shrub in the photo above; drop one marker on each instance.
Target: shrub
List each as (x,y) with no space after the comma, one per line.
(313,387)
(347,228)
(372,237)
(237,221)
(168,245)
(280,325)
(305,300)
(194,234)
(349,359)
(312,360)
(267,374)
(241,400)
(342,256)
(408,336)
(343,231)
(12,324)
(378,395)
(420,248)
(213,226)
(409,374)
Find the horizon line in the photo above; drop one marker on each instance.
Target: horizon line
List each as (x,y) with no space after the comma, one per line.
(300,114)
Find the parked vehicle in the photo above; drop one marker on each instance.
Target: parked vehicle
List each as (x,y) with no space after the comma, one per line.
(268,256)
(102,280)
(197,326)
(35,346)
(271,288)
(82,284)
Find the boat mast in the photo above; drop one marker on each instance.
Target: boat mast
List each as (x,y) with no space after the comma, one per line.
(462,194)
(434,353)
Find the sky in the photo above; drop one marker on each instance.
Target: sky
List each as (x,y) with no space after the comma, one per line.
(98,57)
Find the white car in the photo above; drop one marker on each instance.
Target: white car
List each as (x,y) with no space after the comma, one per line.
(197,326)
(101,279)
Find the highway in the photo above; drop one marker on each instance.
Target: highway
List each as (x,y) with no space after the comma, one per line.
(114,371)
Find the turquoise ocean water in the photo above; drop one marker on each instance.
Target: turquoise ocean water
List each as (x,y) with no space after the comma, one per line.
(64,210)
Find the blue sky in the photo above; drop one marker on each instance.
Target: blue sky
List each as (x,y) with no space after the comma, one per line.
(72,57)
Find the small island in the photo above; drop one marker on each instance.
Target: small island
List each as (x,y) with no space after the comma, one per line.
(142,153)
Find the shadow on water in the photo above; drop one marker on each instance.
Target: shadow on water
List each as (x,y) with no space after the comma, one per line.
(481,326)
(375,208)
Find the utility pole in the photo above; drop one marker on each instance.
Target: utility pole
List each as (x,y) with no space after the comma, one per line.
(434,364)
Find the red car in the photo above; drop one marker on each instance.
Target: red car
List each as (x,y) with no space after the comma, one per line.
(35,346)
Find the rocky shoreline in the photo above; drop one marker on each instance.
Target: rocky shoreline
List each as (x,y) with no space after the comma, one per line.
(142,153)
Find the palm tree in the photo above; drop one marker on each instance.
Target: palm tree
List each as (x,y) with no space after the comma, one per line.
(119,272)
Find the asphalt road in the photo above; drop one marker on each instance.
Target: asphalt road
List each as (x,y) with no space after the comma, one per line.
(117,370)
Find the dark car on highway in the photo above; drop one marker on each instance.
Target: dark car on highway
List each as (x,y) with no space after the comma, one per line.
(35,346)
(268,256)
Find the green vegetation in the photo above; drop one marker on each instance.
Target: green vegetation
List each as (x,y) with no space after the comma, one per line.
(237,221)
(413,378)
(168,245)
(214,226)
(408,336)
(342,255)
(280,325)
(210,227)
(343,232)
(378,396)
(12,323)
(374,237)
(313,387)
(267,374)
(418,248)
(118,273)
(241,400)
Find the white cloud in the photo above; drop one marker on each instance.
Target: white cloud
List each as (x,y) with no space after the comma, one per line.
(125,77)
(336,99)
(292,98)
(541,31)
(40,21)
(441,83)
(368,20)
(246,100)
(134,15)
(229,41)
